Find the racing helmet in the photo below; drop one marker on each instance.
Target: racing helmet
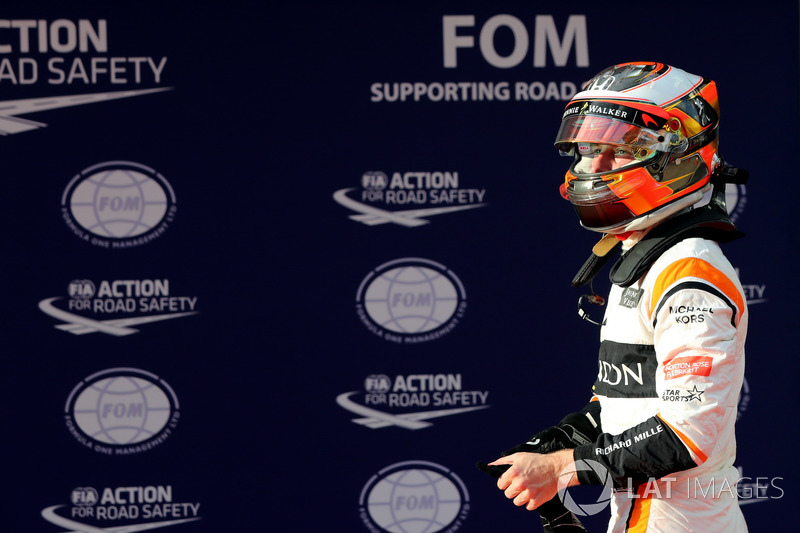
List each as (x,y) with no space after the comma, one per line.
(643,137)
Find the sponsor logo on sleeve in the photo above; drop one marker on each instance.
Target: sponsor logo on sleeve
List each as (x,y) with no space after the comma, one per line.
(677,395)
(697,365)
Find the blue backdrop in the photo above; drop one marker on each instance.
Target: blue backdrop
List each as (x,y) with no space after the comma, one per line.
(298,266)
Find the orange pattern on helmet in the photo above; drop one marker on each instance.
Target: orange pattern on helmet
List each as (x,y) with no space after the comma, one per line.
(669,118)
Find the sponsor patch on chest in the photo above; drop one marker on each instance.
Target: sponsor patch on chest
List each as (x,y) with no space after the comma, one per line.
(626,370)
(630,297)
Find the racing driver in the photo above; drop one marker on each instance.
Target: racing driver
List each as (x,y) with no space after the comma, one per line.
(659,431)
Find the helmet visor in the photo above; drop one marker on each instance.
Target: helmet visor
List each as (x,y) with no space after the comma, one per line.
(593,158)
(612,131)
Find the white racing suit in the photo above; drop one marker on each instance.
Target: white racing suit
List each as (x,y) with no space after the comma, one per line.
(670,373)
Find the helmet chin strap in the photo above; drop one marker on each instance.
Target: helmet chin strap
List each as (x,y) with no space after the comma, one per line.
(606,243)
(601,253)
